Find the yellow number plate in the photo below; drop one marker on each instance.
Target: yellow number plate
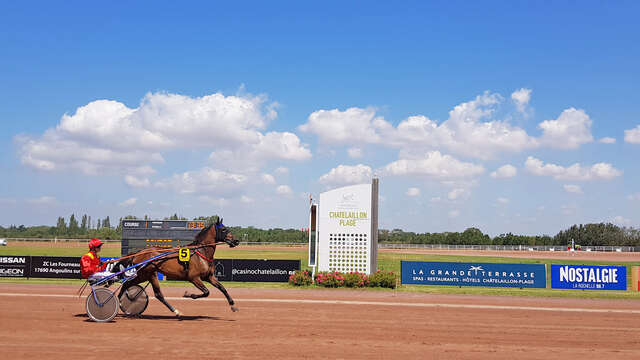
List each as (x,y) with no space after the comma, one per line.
(184,255)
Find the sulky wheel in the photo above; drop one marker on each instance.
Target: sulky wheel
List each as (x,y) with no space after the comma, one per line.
(134,300)
(102,305)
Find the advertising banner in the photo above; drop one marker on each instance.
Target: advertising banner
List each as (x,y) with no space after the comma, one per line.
(55,267)
(589,277)
(69,268)
(263,270)
(254,270)
(474,274)
(15,266)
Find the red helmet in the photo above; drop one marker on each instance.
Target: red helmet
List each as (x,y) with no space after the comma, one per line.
(94,243)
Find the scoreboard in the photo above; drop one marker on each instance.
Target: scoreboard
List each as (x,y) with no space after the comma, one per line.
(141,234)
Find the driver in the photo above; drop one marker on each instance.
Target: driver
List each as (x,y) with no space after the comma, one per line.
(91,267)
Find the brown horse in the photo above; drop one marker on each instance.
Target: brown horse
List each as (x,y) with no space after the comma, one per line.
(199,267)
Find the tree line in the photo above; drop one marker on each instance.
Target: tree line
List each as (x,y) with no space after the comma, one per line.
(602,234)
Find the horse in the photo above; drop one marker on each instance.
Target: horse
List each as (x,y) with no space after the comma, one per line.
(199,267)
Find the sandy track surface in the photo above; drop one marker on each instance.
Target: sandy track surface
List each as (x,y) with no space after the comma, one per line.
(45,321)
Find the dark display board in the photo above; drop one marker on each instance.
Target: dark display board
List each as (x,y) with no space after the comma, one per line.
(142,234)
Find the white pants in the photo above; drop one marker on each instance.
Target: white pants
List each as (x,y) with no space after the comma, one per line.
(95,277)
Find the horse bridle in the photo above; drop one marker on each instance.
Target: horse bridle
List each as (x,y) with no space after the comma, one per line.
(221,235)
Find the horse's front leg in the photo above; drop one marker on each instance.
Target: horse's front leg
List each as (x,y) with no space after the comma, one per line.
(156,291)
(213,281)
(197,283)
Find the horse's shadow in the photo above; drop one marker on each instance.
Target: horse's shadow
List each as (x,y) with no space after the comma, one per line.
(160,317)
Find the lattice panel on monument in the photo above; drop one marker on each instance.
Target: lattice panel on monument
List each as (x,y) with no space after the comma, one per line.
(348,252)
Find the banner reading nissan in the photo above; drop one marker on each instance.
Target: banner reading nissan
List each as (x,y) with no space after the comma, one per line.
(15,266)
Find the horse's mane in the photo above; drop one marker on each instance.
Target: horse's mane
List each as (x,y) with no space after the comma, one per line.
(198,237)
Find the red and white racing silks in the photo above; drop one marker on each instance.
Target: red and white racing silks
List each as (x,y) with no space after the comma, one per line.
(90,264)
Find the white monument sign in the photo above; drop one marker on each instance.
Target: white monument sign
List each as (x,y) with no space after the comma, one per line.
(348,229)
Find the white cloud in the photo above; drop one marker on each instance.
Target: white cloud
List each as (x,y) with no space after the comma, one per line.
(607,140)
(454,214)
(106,136)
(413,191)
(458,193)
(621,221)
(502,200)
(344,127)
(354,153)
(471,129)
(434,165)
(284,190)
(136,182)
(599,171)
(521,99)
(268,179)
(129,202)
(504,172)
(43,200)
(345,174)
(569,131)
(282,170)
(219,202)
(466,132)
(245,199)
(634,197)
(436,199)
(632,136)
(573,189)
(205,181)
(568,210)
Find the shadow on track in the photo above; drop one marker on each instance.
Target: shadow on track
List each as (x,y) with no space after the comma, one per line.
(161,317)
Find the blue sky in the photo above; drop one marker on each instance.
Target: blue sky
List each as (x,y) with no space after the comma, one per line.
(508,116)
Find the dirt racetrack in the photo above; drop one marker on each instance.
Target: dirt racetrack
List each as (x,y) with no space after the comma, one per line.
(49,322)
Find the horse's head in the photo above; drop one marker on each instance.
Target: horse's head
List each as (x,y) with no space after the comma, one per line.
(224,234)
(216,233)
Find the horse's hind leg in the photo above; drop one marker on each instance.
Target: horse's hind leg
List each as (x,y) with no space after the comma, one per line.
(156,291)
(198,283)
(213,281)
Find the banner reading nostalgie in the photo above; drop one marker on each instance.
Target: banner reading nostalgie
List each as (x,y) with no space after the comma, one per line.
(589,277)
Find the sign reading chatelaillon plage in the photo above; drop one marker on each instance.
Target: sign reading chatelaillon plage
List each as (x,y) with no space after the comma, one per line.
(348,229)
(474,274)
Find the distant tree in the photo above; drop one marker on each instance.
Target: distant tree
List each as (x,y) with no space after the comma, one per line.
(83,225)
(106,223)
(73,225)
(98,225)
(61,227)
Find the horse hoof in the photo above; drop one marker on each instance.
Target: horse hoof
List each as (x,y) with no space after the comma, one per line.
(186,294)
(234,309)
(178,313)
